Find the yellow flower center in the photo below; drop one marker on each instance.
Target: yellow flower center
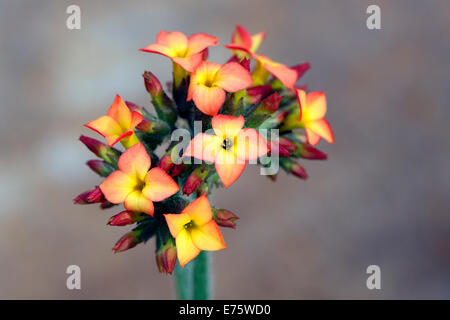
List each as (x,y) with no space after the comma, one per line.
(188,226)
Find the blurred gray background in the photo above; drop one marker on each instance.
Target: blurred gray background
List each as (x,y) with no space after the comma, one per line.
(382,197)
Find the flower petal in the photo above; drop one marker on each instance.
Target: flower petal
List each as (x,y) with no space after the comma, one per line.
(301,98)
(233,77)
(199,210)
(286,75)
(313,138)
(250,145)
(176,41)
(137,201)
(120,112)
(159,49)
(316,106)
(176,222)
(136,118)
(242,37)
(227,125)
(199,42)
(256,41)
(208,237)
(106,126)
(228,167)
(159,185)
(189,63)
(117,186)
(186,250)
(208,100)
(135,161)
(322,128)
(204,147)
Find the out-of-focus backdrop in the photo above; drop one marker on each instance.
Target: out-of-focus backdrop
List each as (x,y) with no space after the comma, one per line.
(382,197)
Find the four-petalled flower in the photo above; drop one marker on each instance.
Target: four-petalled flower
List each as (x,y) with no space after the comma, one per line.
(187,52)
(118,124)
(194,230)
(210,81)
(135,185)
(229,148)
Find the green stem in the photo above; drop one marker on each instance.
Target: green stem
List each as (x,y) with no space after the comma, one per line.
(194,282)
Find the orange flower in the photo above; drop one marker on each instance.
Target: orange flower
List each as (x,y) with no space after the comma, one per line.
(242,42)
(135,185)
(187,52)
(210,81)
(229,148)
(118,124)
(195,230)
(311,117)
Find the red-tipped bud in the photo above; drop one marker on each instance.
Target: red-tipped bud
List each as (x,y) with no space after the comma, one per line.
(101,150)
(307,151)
(270,104)
(179,169)
(152,85)
(287,144)
(164,106)
(299,171)
(166,162)
(90,196)
(194,180)
(166,256)
(301,69)
(225,218)
(125,218)
(100,167)
(256,94)
(282,151)
(128,241)
(293,167)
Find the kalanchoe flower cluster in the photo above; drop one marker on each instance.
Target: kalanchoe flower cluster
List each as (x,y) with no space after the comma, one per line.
(167,195)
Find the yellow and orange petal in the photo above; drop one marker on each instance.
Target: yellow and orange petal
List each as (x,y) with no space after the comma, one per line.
(286,75)
(159,185)
(199,210)
(243,43)
(137,201)
(250,145)
(233,77)
(227,125)
(204,147)
(135,161)
(319,128)
(176,222)
(208,237)
(229,167)
(186,249)
(117,186)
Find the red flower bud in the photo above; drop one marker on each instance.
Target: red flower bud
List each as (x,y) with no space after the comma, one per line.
(166,163)
(152,84)
(179,169)
(133,107)
(194,180)
(256,94)
(128,241)
(90,196)
(270,104)
(225,218)
(307,151)
(293,167)
(101,150)
(100,167)
(287,144)
(125,218)
(166,256)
